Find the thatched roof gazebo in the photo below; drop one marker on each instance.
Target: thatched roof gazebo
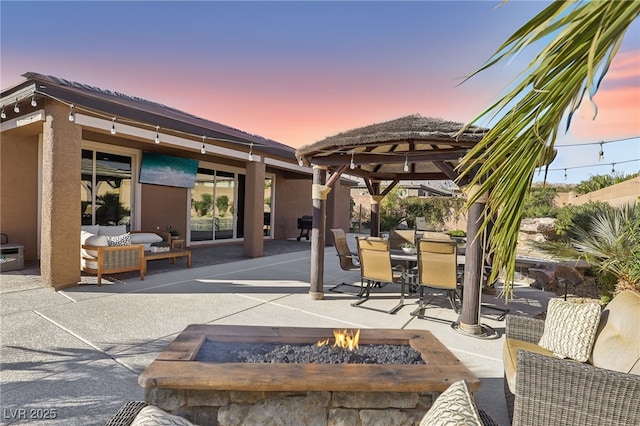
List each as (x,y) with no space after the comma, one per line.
(408,148)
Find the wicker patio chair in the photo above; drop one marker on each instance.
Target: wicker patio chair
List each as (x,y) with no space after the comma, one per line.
(126,414)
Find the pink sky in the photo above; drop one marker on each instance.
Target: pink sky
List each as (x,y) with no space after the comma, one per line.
(298,72)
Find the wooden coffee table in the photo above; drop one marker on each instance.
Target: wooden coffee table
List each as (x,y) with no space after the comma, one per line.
(172,254)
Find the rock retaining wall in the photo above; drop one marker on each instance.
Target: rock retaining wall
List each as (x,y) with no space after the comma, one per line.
(234,408)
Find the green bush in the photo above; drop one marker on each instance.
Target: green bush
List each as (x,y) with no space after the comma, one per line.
(540,202)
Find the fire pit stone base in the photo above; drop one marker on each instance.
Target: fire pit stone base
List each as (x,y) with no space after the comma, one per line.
(227,408)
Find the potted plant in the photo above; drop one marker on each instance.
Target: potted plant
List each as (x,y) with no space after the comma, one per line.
(174,233)
(409,248)
(160,247)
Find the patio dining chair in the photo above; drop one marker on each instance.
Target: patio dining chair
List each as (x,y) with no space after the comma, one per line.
(348,261)
(397,237)
(437,269)
(375,268)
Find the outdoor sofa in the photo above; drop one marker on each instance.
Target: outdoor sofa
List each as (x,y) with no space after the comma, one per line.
(112,249)
(543,389)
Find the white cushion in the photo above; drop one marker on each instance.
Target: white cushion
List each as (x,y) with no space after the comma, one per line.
(570,329)
(119,240)
(89,239)
(145,238)
(154,416)
(455,406)
(93,229)
(112,230)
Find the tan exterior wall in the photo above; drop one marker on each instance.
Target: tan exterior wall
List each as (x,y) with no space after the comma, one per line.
(292,200)
(619,194)
(162,206)
(338,208)
(19,189)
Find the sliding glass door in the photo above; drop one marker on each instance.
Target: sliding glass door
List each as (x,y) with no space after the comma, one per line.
(213,206)
(106,191)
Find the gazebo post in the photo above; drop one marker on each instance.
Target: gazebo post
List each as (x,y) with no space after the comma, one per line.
(376,198)
(319,193)
(470,317)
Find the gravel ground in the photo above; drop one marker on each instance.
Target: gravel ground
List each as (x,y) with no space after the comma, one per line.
(282,353)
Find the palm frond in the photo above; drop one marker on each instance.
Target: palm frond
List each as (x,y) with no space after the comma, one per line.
(585,38)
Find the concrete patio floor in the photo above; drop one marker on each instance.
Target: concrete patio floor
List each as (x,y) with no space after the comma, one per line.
(78,352)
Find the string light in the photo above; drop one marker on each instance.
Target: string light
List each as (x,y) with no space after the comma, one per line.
(565,174)
(613,168)
(16,108)
(157,139)
(251,152)
(113,126)
(300,162)
(203,150)
(3,114)
(352,165)
(33,101)
(72,116)
(406,163)
(601,153)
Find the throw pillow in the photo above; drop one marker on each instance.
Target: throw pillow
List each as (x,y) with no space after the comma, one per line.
(570,329)
(119,240)
(154,416)
(455,406)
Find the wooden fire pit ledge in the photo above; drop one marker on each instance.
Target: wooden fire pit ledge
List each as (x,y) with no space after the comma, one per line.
(212,392)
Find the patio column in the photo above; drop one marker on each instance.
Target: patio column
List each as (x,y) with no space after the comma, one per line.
(376,199)
(470,317)
(254,209)
(319,192)
(60,214)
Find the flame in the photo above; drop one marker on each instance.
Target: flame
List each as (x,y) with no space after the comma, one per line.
(343,339)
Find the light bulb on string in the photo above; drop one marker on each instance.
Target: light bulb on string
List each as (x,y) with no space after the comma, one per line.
(157,139)
(300,162)
(16,108)
(251,152)
(203,150)
(613,169)
(3,114)
(352,165)
(71,114)
(406,163)
(601,153)
(33,101)
(565,174)
(113,126)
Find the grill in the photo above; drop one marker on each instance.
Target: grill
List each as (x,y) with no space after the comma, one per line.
(304,225)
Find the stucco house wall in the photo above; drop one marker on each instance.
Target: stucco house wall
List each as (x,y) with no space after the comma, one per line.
(19,189)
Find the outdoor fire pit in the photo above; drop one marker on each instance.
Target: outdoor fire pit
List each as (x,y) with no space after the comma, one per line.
(226,393)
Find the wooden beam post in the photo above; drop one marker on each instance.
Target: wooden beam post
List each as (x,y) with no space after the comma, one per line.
(319,192)
(470,317)
(376,198)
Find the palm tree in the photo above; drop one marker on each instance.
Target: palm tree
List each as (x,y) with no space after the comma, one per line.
(609,242)
(585,37)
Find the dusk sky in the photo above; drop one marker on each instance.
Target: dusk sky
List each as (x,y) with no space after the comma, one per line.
(297,72)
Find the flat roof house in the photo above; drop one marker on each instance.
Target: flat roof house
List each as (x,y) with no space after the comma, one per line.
(73,154)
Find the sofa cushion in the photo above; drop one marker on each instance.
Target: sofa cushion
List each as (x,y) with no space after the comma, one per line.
(510,358)
(455,406)
(119,240)
(617,345)
(89,239)
(570,329)
(146,238)
(93,229)
(154,416)
(112,230)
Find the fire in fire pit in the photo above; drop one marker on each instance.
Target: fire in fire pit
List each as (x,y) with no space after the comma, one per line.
(343,340)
